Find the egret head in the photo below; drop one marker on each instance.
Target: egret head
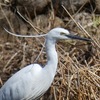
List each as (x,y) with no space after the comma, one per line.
(61,33)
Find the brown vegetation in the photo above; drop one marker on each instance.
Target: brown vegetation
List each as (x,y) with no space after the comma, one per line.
(78,73)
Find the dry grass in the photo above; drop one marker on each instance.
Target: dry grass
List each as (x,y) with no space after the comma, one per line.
(78,73)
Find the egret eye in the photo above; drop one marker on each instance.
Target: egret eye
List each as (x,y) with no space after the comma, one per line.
(62,34)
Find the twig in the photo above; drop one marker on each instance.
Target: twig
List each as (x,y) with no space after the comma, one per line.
(34,27)
(10,60)
(80,26)
(40,52)
(7,19)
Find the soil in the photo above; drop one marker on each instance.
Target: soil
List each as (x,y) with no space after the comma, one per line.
(78,73)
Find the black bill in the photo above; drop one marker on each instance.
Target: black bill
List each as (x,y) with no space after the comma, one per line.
(77,37)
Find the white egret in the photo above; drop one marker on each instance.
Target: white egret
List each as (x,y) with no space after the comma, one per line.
(32,81)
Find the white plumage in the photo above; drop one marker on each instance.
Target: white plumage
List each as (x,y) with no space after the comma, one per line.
(33,81)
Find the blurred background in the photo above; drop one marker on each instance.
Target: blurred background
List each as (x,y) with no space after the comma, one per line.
(78,73)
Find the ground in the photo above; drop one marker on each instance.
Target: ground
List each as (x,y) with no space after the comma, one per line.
(78,73)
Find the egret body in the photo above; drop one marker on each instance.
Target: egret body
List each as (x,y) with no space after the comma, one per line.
(32,81)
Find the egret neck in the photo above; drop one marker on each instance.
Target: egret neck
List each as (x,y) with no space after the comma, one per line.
(52,57)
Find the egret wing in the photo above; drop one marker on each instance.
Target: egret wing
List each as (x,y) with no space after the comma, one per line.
(20,84)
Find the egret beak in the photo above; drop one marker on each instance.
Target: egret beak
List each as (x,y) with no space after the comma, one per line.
(77,37)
